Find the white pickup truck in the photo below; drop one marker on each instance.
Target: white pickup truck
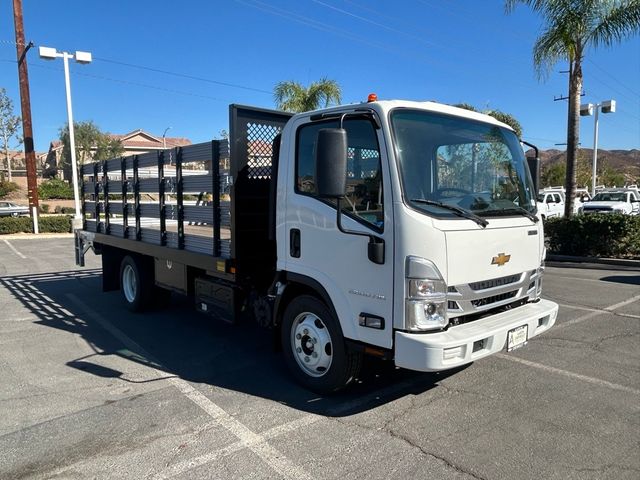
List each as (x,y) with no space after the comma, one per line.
(618,200)
(550,203)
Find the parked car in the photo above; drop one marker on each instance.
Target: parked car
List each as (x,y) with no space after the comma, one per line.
(12,209)
(551,203)
(620,200)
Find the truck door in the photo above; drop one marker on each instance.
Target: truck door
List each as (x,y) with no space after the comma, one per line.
(316,249)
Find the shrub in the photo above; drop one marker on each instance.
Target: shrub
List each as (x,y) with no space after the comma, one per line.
(45,225)
(55,224)
(55,188)
(44,208)
(15,225)
(65,210)
(595,235)
(7,187)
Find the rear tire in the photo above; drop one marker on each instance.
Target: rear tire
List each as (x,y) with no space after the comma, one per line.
(314,347)
(136,283)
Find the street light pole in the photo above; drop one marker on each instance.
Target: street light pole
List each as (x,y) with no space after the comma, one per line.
(164,140)
(587,109)
(72,138)
(49,53)
(595,150)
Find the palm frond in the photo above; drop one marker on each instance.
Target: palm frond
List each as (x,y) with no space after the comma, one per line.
(554,44)
(621,21)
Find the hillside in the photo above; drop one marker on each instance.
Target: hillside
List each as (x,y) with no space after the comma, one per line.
(625,161)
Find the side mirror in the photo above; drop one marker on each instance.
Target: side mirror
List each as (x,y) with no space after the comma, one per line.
(331,163)
(534,165)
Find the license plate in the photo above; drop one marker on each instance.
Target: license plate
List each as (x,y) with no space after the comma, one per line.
(517,337)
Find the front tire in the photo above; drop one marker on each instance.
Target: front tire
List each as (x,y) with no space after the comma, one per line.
(314,347)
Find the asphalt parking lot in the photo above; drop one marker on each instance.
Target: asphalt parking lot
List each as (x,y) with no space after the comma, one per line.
(89,390)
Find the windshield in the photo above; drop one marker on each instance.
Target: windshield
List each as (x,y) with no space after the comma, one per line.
(610,197)
(464,163)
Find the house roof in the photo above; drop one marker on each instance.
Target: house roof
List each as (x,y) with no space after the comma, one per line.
(138,140)
(141,139)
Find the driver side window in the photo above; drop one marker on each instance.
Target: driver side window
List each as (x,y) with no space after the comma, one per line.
(364,199)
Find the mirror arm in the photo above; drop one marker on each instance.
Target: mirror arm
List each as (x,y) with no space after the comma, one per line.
(376,244)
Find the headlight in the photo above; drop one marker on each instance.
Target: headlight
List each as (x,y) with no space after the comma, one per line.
(426,301)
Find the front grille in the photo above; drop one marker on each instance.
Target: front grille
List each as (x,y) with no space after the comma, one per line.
(495,282)
(481,302)
(597,209)
(478,297)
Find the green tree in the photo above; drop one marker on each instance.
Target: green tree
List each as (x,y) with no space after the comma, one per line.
(294,97)
(9,124)
(571,27)
(91,143)
(508,119)
(498,115)
(466,106)
(610,176)
(553,174)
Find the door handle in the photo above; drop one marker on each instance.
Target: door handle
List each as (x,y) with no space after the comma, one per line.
(294,243)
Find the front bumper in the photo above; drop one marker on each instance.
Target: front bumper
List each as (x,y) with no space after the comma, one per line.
(468,342)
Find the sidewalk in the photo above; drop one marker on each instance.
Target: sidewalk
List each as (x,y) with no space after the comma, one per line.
(591,262)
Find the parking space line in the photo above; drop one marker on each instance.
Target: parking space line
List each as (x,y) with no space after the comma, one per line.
(603,310)
(253,441)
(14,249)
(179,469)
(566,373)
(593,312)
(622,304)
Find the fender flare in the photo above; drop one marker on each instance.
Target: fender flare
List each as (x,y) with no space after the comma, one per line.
(287,280)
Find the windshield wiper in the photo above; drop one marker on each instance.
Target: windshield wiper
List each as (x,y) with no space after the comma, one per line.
(461,212)
(515,209)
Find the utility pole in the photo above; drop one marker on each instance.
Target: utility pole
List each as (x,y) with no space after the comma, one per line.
(25,104)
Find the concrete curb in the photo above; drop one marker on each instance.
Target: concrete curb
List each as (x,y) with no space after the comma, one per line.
(33,236)
(590,262)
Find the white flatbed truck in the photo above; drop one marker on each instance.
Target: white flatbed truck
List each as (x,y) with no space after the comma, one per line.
(404,230)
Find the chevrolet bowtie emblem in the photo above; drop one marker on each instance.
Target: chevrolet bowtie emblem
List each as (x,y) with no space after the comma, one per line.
(500,260)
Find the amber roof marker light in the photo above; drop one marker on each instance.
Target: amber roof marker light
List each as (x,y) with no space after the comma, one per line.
(372,97)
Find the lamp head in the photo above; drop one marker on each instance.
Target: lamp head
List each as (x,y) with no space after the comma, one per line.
(47,53)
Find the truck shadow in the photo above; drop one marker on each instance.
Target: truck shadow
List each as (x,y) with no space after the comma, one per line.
(178,342)
(628,280)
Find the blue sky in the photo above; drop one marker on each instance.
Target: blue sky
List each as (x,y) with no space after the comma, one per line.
(444,50)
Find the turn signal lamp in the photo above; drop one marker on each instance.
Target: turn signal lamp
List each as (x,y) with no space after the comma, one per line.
(372,97)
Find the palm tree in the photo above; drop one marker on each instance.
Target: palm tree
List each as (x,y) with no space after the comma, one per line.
(293,97)
(571,27)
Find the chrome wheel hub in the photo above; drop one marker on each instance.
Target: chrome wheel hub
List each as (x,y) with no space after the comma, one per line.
(311,344)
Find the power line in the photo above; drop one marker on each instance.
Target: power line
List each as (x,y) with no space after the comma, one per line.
(168,72)
(612,77)
(129,82)
(340,32)
(183,75)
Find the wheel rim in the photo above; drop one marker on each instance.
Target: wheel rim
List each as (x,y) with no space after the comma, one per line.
(129,285)
(311,344)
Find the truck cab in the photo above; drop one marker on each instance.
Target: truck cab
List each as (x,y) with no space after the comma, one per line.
(446,197)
